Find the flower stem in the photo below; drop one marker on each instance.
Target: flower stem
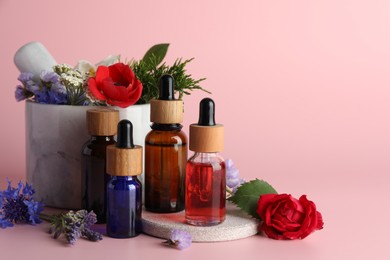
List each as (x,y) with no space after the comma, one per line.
(46,217)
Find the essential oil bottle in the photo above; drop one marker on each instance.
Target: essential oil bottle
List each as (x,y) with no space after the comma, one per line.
(102,126)
(205,200)
(124,190)
(165,152)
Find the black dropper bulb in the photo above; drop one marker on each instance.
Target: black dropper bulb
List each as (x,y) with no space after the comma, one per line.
(166,88)
(206,112)
(125,134)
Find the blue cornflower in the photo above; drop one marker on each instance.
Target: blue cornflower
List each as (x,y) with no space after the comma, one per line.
(10,192)
(33,208)
(179,239)
(4,223)
(28,190)
(18,206)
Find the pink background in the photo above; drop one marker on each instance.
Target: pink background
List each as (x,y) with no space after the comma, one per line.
(302,88)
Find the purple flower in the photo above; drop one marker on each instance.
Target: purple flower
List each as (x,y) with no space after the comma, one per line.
(72,230)
(10,192)
(33,87)
(42,97)
(49,76)
(27,80)
(56,97)
(46,90)
(50,97)
(59,88)
(74,225)
(18,205)
(24,77)
(89,219)
(28,190)
(4,223)
(233,181)
(232,174)
(179,239)
(33,208)
(20,93)
(91,235)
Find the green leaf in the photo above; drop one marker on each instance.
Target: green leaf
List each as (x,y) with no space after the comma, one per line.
(247,195)
(158,51)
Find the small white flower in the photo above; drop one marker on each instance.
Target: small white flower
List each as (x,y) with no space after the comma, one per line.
(85,67)
(109,60)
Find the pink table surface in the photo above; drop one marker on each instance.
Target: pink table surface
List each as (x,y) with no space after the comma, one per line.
(356,227)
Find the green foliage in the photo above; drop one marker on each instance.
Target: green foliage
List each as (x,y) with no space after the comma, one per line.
(248,194)
(158,51)
(150,69)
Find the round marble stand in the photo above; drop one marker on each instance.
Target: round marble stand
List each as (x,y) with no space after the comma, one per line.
(237,225)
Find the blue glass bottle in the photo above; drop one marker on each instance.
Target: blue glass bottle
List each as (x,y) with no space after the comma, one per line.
(124,190)
(124,206)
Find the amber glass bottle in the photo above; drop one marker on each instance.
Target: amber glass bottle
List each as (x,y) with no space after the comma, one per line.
(165,152)
(102,126)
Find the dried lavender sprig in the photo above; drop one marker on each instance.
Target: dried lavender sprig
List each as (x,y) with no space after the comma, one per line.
(73,225)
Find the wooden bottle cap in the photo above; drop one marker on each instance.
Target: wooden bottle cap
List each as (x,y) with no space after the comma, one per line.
(166,111)
(206,139)
(102,122)
(124,161)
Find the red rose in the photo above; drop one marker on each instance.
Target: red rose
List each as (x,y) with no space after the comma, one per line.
(287,218)
(115,84)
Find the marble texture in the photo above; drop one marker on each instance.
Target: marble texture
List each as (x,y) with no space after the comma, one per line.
(55,135)
(237,225)
(34,57)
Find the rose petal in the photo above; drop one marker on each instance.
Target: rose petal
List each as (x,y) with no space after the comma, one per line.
(271,233)
(135,94)
(122,104)
(262,204)
(113,92)
(285,217)
(320,221)
(120,74)
(102,73)
(118,84)
(93,88)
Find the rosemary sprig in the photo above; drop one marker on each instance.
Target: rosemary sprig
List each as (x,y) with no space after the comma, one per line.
(150,69)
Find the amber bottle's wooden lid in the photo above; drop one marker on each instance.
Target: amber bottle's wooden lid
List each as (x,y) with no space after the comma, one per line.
(102,122)
(206,139)
(166,111)
(123,161)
